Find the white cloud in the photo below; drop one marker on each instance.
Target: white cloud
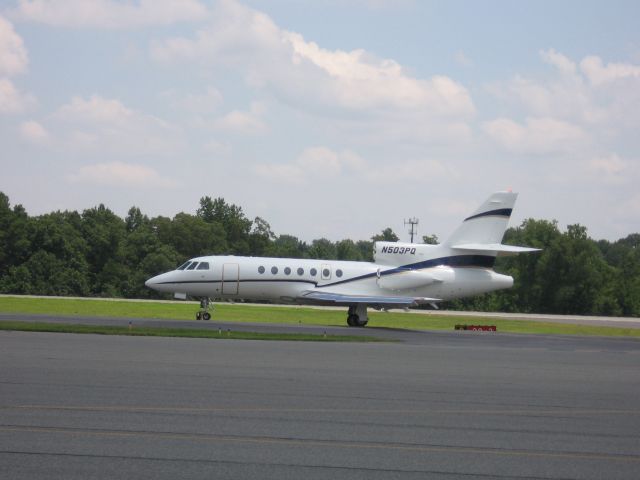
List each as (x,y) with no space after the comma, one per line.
(611,169)
(536,136)
(599,74)
(119,174)
(409,171)
(558,60)
(12,100)
(360,80)
(450,207)
(584,95)
(629,208)
(238,121)
(95,109)
(306,74)
(200,103)
(13,61)
(579,105)
(107,125)
(312,163)
(13,54)
(33,132)
(566,97)
(462,59)
(217,148)
(109,14)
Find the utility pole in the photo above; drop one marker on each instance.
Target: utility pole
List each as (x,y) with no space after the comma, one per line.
(413,222)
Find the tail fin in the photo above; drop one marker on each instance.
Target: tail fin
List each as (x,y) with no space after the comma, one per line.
(487,224)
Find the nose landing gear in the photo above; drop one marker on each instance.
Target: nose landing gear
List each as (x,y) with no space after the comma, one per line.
(204,314)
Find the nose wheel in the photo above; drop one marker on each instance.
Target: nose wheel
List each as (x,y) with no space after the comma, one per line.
(204,314)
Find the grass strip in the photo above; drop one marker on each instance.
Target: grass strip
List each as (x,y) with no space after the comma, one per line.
(18,326)
(293,315)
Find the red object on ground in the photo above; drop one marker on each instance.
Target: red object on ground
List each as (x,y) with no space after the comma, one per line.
(477,328)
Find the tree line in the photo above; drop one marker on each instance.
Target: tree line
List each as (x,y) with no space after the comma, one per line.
(97,253)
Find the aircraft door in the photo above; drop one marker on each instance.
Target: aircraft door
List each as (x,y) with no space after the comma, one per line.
(326,272)
(230,278)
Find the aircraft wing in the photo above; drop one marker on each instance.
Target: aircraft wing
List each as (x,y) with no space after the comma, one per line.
(382,300)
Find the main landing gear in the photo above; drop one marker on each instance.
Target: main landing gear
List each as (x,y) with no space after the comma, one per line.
(357,316)
(204,314)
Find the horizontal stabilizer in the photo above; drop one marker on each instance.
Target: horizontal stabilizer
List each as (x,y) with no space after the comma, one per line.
(495,247)
(338,298)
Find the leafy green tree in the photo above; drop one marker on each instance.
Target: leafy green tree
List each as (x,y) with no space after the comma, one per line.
(322,249)
(15,235)
(191,236)
(135,220)
(260,238)
(627,285)
(526,294)
(365,247)
(161,260)
(17,280)
(348,250)
(98,253)
(232,219)
(288,246)
(430,239)
(104,232)
(577,279)
(387,235)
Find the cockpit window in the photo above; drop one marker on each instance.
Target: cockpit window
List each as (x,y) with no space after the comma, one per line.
(192,266)
(184,265)
(203,266)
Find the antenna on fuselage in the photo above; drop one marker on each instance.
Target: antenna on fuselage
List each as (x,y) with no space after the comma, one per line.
(413,230)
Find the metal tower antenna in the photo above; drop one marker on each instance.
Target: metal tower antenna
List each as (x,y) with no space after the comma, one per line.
(413,222)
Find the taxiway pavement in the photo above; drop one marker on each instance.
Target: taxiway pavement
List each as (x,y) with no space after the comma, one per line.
(438,405)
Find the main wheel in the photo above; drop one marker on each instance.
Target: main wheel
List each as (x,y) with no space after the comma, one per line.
(352,320)
(206,316)
(198,316)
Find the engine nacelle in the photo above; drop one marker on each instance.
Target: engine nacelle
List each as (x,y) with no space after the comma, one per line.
(406,280)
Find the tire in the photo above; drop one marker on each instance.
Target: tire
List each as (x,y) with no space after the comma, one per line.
(206,316)
(198,316)
(352,320)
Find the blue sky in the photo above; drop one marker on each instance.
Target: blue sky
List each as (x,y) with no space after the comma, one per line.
(329,119)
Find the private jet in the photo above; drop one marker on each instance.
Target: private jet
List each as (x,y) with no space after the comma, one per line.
(401,275)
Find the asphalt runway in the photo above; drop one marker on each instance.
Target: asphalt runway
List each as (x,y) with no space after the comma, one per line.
(436,405)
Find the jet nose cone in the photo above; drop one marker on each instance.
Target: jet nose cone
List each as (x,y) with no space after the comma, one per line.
(151,283)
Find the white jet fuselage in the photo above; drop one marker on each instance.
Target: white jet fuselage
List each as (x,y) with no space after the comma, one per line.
(287,279)
(401,275)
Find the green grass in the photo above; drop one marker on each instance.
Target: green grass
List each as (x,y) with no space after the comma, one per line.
(282,314)
(176,332)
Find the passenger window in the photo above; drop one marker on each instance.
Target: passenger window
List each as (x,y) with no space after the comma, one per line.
(193,266)
(203,266)
(313,272)
(274,270)
(287,271)
(184,265)
(300,271)
(326,273)
(261,269)
(338,273)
